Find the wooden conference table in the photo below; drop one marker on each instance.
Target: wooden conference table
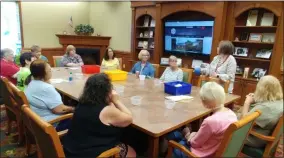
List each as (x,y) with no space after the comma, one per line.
(151,117)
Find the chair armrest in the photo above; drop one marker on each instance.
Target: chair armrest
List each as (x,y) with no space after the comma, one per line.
(60,118)
(62,133)
(263,137)
(113,152)
(173,144)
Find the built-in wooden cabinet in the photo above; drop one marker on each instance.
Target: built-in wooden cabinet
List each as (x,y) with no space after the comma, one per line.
(229,22)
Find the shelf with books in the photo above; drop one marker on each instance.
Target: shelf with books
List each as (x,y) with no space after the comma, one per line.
(252,59)
(145,37)
(151,49)
(250,42)
(266,29)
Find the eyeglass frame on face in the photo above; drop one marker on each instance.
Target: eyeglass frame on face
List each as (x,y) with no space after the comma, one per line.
(173,61)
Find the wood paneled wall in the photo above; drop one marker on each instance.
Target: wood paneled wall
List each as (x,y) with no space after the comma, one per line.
(50,52)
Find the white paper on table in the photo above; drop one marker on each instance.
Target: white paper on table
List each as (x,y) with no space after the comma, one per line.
(179,97)
(57,80)
(74,68)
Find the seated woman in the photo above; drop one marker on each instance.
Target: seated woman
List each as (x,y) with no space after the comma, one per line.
(71,59)
(143,67)
(42,96)
(36,50)
(172,73)
(110,62)
(205,142)
(25,59)
(8,68)
(98,121)
(223,65)
(268,98)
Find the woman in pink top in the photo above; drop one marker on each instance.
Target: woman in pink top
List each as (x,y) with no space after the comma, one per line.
(207,139)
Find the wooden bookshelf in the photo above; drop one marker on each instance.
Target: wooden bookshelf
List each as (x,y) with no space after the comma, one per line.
(142,28)
(252,59)
(252,43)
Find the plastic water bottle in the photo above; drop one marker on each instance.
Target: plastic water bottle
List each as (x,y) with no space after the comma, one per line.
(70,77)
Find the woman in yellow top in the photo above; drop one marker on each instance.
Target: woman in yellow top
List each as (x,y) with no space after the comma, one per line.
(110,62)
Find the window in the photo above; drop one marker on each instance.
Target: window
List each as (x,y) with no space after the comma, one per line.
(11,26)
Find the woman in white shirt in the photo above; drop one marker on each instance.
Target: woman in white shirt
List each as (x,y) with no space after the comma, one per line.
(223,65)
(172,73)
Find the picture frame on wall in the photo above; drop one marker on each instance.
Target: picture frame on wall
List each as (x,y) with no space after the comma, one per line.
(263,53)
(255,37)
(240,51)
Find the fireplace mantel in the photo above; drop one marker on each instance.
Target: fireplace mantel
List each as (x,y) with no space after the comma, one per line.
(101,42)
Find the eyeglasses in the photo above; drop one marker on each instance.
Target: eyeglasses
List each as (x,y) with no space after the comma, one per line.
(145,55)
(174,61)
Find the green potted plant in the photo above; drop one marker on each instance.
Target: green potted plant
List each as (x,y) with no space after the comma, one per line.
(84,29)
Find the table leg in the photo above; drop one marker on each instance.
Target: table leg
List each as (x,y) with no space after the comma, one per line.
(154,147)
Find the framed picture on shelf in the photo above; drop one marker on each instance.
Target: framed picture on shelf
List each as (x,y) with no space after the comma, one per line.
(140,44)
(258,72)
(268,37)
(246,72)
(151,34)
(146,21)
(263,53)
(240,51)
(145,44)
(244,36)
(252,18)
(152,45)
(153,23)
(146,34)
(267,19)
(255,37)
(239,71)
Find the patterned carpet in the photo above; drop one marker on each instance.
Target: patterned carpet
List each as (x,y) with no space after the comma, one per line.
(10,148)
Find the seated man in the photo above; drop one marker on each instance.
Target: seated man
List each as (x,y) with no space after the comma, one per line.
(7,66)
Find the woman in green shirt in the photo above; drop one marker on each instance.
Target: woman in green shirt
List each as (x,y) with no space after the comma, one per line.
(25,59)
(268,98)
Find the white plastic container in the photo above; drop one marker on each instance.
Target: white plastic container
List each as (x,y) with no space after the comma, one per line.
(119,89)
(136,100)
(170,104)
(142,77)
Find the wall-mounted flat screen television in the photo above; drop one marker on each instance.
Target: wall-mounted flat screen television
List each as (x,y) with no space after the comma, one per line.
(188,37)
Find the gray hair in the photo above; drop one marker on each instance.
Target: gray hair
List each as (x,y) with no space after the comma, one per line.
(212,91)
(35,48)
(172,57)
(5,52)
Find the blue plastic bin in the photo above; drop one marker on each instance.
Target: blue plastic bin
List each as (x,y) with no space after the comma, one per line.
(171,89)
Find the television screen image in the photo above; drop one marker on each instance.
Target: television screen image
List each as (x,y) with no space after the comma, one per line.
(190,37)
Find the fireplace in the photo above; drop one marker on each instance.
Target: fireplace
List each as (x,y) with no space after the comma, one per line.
(90,56)
(90,48)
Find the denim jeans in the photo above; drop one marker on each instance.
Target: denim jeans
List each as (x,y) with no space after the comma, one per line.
(178,137)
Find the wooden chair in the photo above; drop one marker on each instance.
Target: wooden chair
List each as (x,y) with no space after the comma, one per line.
(203,79)
(57,61)
(232,141)
(272,141)
(187,75)
(157,67)
(47,138)
(12,111)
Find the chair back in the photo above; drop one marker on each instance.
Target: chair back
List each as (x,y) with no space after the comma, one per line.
(57,61)
(120,63)
(157,67)
(203,79)
(187,74)
(234,137)
(45,134)
(278,131)
(10,104)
